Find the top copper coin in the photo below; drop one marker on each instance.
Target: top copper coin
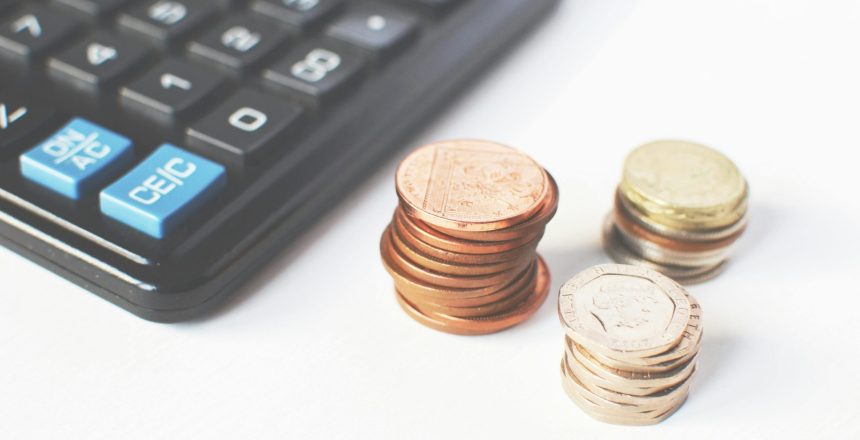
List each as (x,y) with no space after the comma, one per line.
(684,185)
(471,185)
(624,311)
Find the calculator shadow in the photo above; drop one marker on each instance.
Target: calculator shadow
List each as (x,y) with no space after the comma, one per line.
(715,355)
(564,264)
(283,259)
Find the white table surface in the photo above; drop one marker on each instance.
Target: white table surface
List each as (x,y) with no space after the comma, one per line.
(317,348)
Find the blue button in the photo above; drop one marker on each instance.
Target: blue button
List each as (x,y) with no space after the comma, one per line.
(163,191)
(78,159)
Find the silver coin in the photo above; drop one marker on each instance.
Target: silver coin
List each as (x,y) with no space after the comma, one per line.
(624,255)
(678,234)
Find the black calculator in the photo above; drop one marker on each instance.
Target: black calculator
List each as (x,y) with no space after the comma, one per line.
(159,152)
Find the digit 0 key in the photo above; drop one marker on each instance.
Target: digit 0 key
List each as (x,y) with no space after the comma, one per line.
(160,152)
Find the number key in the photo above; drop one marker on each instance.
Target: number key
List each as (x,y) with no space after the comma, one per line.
(239,43)
(300,14)
(375,27)
(98,62)
(170,90)
(165,21)
(317,71)
(33,31)
(20,119)
(244,127)
(94,8)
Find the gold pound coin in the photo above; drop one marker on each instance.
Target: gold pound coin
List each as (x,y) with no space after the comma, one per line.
(684,185)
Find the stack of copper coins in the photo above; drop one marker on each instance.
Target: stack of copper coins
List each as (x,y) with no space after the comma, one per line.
(462,245)
(631,344)
(679,210)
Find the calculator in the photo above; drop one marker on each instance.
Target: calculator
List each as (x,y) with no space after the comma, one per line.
(160,152)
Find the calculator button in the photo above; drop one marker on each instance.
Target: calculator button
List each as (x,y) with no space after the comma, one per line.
(316,71)
(239,43)
(98,62)
(77,159)
(163,191)
(245,126)
(6,5)
(432,5)
(300,14)
(33,31)
(165,21)
(170,90)
(20,119)
(376,27)
(95,8)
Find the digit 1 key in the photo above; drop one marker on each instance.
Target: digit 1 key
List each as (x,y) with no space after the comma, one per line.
(170,90)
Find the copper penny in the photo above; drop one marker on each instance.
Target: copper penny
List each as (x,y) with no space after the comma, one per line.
(529,226)
(488,309)
(526,278)
(470,185)
(449,280)
(447,242)
(448,267)
(460,257)
(406,282)
(487,324)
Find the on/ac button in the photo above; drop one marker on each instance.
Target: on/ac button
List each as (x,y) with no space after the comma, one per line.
(78,159)
(163,191)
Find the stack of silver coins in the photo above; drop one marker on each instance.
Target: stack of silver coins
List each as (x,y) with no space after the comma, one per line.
(679,210)
(632,339)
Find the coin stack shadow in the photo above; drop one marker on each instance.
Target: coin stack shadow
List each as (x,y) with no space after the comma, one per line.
(469,282)
(640,387)
(679,210)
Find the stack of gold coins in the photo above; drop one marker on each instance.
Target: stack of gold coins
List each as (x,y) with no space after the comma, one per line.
(631,344)
(679,210)
(462,245)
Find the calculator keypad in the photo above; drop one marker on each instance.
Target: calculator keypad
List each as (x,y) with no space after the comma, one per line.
(227,85)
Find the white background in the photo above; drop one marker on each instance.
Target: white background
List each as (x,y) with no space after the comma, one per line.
(317,348)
